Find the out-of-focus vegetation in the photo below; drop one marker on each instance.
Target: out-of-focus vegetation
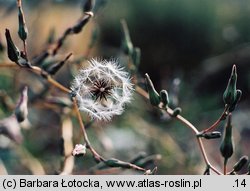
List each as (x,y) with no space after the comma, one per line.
(187,48)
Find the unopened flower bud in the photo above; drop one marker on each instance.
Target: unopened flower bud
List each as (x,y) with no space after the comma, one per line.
(22,30)
(164,97)
(230,93)
(154,97)
(211,135)
(176,112)
(227,146)
(238,96)
(13,51)
(79,26)
(56,67)
(238,166)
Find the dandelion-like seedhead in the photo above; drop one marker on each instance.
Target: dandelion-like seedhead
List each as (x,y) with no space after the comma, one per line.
(102,89)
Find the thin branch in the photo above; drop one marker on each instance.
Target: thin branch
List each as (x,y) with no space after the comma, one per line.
(8,65)
(67,135)
(109,162)
(40,72)
(97,157)
(25,49)
(216,123)
(59,43)
(184,121)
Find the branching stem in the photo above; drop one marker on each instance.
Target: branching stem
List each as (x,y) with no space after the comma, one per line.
(184,121)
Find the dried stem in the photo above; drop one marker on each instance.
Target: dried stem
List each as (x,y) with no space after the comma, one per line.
(97,156)
(25,49)
(40,72)
(67,135)
(142,92)
(225,166)
(8,65)
(58,44)
(19,3)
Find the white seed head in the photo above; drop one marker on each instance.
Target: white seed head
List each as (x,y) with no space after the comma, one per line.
(102,89)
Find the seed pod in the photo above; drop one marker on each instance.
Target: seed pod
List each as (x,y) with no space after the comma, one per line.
(230,93)
(79,26)
(211,135)
(13,51)
(227,146)
(238,166)
(22,30)
(238,96)
(154,97)
(164,97)
(176,112)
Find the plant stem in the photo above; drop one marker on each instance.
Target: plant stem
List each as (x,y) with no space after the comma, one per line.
(141,91)
(58,85)
(216,123)
(8,65)
(40,72)
(184,121)
(25,49)
(225,166)
(97,157)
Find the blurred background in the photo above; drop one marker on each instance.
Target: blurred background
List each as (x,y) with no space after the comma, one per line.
(187,48)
